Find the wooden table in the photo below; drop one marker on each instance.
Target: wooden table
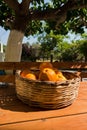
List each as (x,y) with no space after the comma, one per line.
(15,115)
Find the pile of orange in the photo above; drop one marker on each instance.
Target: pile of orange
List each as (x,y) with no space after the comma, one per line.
(47,73)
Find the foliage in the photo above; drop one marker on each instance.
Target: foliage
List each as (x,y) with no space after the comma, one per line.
(83,48)
(84,36)
(6,13)
(62,51)
(71,53)
(48,43)
(25,52)
(30,53)
(53,17)
(75,18)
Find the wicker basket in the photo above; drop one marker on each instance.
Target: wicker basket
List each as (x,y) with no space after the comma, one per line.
(48,95)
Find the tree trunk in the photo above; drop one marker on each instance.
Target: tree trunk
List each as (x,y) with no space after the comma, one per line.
(14,46)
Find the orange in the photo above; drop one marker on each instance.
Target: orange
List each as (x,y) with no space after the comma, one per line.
(30,76)
(60,76)
(24,72)
(45,65)
(47,74)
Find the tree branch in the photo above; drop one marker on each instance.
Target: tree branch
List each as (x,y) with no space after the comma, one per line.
(25,6)
(58,14)
(70,5)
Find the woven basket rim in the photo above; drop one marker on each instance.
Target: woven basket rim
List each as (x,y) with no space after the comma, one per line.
(66,82)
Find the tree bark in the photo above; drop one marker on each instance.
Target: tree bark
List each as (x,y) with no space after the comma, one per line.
(14,46)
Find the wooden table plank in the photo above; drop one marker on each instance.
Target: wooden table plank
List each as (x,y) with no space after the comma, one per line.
(78,122)
(16,115)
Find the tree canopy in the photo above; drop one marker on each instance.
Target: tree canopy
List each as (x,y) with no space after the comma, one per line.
(36,16)
(29,17)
